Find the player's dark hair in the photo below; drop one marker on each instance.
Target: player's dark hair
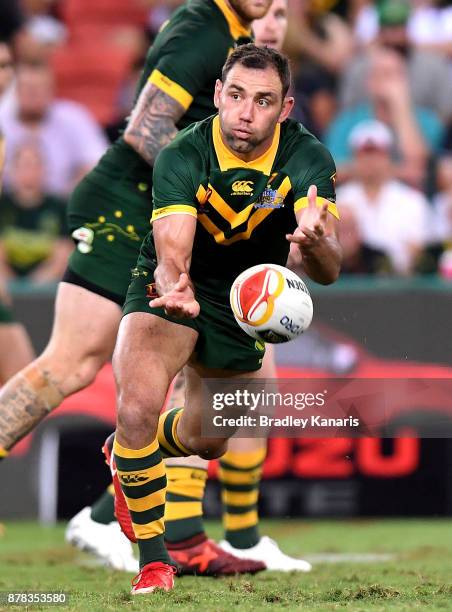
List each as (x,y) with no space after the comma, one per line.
(259,58)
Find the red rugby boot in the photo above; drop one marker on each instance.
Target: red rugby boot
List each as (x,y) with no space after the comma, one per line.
(201,556)
(154,576)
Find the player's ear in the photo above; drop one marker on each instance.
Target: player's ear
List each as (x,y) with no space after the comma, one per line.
(287,107)
(216,95)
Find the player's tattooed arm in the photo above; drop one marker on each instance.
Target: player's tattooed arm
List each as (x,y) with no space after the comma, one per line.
(152,124)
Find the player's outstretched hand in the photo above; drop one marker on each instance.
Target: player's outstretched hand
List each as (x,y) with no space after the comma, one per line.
(312,225)
(180,302)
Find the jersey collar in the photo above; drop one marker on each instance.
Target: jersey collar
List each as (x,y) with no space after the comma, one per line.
(227,159)
(235,27)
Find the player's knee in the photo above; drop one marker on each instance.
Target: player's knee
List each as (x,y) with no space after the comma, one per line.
(135,419)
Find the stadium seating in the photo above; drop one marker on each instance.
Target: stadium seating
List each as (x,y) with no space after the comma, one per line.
(92,74)
(80,13)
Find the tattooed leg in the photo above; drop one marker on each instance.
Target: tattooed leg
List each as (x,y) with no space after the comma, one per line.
(25,401)
(83,338)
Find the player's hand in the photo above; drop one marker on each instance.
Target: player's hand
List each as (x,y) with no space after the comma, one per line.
(180,302)
(313,223)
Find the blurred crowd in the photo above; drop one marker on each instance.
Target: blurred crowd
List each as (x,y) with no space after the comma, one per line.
(372,79)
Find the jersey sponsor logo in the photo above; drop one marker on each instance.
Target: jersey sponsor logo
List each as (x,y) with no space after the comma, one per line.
(242,188)
(270,198)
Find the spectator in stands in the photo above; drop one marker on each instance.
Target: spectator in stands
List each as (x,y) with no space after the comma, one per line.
(319,44)
(43,27)
(70,140)
(357,257)
(429,75)
(417,131)
(6,71)
(392,217)
(363,18)
(33,236)
(437,257)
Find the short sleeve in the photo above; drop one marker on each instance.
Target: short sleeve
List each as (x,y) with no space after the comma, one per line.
(189,59)
(322,174)
(173,189)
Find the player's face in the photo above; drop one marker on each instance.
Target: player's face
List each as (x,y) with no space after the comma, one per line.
(248,10)
(270,31)
(250,105)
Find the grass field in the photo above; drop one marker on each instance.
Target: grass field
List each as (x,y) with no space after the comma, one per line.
(358,565)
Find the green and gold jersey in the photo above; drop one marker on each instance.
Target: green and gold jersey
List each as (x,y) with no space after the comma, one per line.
(184,61)
(244,210)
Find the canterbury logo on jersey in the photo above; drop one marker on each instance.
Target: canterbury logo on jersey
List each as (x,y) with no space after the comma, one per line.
(132,478)
(242,188)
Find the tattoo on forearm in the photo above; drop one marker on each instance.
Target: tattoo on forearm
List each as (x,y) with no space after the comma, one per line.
(152,123)
(23,405)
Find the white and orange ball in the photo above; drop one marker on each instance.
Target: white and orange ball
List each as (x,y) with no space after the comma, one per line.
(271,303)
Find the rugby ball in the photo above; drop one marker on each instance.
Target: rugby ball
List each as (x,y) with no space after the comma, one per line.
(271,303)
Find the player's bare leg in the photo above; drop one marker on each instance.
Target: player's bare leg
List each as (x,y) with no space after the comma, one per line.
(149,353)
(242,538)
(247,451)
(82,340)
(185,536)
(243,461)
(142,435)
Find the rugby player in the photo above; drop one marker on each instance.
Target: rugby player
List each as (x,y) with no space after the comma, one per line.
(204,233)
(241,467)
(109,213)
(94,529)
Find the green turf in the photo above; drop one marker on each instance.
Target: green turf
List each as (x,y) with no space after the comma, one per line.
(419,577)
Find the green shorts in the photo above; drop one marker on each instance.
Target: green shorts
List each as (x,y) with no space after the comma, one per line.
(108,218)
(221,342)
(6,315)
